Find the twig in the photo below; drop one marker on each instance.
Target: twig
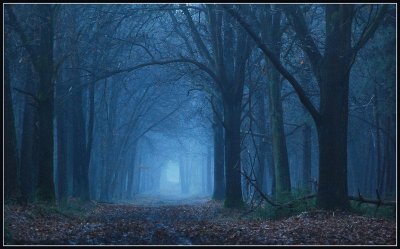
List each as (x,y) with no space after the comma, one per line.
(378,202)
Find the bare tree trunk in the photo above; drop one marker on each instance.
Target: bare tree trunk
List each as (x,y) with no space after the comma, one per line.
(42,59)
(332,128)
(28,153)
(183,171)
(78,135)
(131,171)
(62,142)
(380,169)
(332,73)
(270,159)
(208,172)
(85,193)
(389,152)
(232,115)
(45,68)
(281,162)
(137,179)
(307,158)
(219,178)
(262,142)
(332,136)
(11,185)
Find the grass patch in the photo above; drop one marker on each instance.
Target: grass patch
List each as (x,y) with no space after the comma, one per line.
(371,210)
(267,211)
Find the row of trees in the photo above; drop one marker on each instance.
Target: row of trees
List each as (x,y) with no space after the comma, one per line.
(238,56)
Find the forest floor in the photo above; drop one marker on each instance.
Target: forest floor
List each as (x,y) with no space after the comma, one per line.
(199,222)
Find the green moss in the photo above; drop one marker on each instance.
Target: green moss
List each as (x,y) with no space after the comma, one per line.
(283,197)
(372,211)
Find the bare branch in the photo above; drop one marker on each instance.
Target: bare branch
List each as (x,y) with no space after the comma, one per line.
(17,27)
(369,30)
(275,61)
(181,60)
(196,36)
(299,24)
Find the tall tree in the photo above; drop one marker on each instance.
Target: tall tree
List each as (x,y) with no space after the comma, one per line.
(332,72)
(306,172)
(29,153)
(226,60)
(218,135)
(42,59)
(11,184)
(272,35)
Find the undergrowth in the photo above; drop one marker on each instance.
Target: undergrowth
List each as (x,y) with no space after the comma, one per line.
(373,211)
(75,207)
(268,211)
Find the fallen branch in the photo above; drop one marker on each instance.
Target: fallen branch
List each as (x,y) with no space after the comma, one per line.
(289,204)
(265,197)
(378,202)
(259,191)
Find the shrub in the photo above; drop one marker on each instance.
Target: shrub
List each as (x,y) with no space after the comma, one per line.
(272,212)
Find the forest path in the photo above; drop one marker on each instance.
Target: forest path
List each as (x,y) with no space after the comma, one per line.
(187,222)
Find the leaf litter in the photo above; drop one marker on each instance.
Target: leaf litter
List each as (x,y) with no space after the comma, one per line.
(205,223)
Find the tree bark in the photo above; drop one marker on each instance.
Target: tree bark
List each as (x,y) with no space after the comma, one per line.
(183,171)
(332,73)
(208,172)
(45,68)
(28,154)
(389,189)
(42,59)
(11,185)
(85,193)
(281,162)
(332,137)
(332,128)
(232,122)
(131,171)
(306,176)
(219,177)
(261,128)
(78,135)
(380,169)
(62,144)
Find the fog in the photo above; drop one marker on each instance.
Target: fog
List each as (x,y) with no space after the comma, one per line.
(116,103)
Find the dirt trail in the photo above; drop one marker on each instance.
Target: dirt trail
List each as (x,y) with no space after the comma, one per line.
(151,221)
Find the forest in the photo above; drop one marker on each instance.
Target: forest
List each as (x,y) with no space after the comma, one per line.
(199,124)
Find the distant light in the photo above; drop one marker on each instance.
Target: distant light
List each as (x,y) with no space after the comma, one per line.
(172,172)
